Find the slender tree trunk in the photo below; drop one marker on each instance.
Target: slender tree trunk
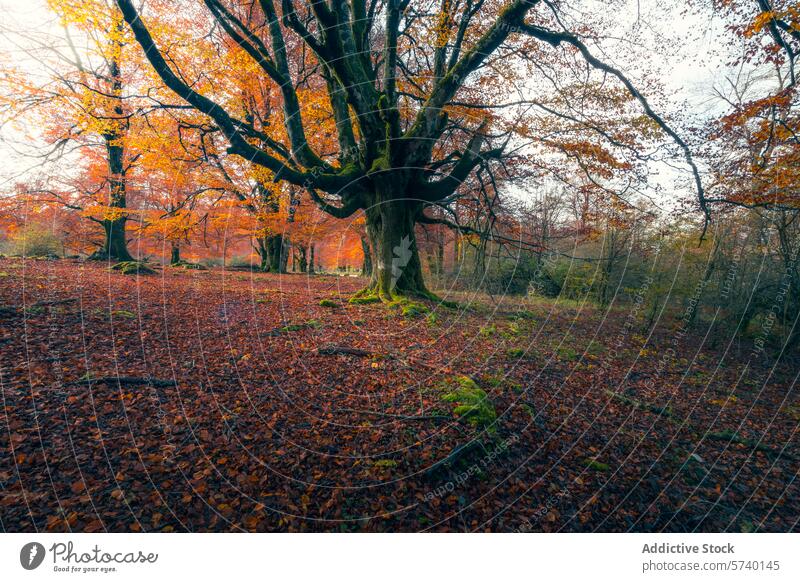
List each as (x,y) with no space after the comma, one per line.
(440,255)
(311,258)
(366,265)
(175,254)
(115,247)
(262,248)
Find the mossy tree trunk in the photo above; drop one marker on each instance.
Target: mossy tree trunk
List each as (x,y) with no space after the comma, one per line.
(175,254)
(396,266)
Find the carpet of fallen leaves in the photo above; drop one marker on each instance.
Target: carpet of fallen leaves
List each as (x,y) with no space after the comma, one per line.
(237,410)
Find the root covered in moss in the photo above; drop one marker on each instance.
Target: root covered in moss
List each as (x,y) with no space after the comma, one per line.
(132,268)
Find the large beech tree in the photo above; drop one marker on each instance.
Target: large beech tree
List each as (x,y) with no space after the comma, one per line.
(396,73)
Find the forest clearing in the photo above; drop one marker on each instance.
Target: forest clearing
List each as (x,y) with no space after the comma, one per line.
(220,400)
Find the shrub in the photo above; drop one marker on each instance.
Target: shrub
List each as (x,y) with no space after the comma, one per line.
(509,277)
(36,241)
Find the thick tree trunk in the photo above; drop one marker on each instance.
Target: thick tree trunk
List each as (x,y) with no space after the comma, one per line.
(396,266)
(273,254)
(311,259)
(115,246)
(278,254)
(175,254)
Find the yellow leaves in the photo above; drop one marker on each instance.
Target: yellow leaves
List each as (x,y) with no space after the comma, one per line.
(103,212)
(443,26)
(603,162)
(759,23)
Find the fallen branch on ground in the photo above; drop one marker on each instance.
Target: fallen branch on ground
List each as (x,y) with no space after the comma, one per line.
(397,416)
(344,350)
(126,381)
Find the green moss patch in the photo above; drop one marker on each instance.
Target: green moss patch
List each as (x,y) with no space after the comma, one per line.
(132,268)
(596,465)
(471,403)
(364,299)
(412,309)
(124,313)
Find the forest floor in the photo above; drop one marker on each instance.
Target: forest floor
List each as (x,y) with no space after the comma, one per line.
(237,409)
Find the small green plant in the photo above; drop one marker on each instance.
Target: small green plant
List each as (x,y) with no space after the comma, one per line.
(596,465)
(293,327)
(566,353)
(385,464)
(310,324)
(524,314)
(366,300)
(132,268)
(412,309)
(724,435)
(488,331)
(595,348)
(472,403)
(328,303)
(515,353)
(124,313)
(512,330)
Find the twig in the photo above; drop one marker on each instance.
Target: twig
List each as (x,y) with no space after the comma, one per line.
(334,350)
(397,416)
